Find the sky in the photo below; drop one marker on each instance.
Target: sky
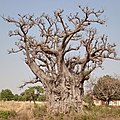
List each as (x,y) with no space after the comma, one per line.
(14,71)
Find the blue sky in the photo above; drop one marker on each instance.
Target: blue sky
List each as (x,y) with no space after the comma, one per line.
(13,70)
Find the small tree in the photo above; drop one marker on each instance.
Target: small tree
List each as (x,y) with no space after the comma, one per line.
(107,88)
(7,95)
(64,54)
(32,93)
(29,94)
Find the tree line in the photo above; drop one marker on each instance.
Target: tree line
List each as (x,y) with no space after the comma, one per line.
(35,93)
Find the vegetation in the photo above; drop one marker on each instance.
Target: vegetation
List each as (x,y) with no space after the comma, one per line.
(10,110)
(19,110)
(35,93)
(6,95)
(67,52)
(107,88)
(7,114)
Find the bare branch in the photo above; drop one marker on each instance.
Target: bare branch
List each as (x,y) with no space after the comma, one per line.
(30,82)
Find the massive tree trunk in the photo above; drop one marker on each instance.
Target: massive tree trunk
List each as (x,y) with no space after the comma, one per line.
(65,93)
(65,96)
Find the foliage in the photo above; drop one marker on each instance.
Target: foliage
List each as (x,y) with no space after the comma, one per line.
(41,97)
(19,97)
(28,94)
(16,97)
(33,93)
(107,88)
(7,95)
(39,89)
(7,114)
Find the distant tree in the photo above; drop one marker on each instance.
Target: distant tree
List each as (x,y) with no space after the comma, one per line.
(16,97)
(33,93)
(40,93)
(7,95)
(21,97)
(29,94)
(38,90)
(41,97)
(107,88)
(63,54)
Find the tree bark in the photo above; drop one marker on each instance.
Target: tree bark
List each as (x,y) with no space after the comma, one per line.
(65,97)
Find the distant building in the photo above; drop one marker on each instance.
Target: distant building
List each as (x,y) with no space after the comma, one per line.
(114,103)
(98,102)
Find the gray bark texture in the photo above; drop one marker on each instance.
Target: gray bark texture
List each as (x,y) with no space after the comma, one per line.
(63,54)
(65,96)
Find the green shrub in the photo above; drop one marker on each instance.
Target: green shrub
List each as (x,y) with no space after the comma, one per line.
(7,114)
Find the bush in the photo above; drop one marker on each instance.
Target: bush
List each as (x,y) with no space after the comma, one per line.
(7,114)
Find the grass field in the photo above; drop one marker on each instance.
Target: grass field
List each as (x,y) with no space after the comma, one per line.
(23,110)
(28,111)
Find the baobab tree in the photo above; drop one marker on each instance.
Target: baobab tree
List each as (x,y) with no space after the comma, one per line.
(64,54)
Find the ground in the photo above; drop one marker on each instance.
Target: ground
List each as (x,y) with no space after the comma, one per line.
(23,110)
(29,111)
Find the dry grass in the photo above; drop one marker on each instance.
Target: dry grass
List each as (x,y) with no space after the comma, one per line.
(28,111)
(17,106)
(24,110)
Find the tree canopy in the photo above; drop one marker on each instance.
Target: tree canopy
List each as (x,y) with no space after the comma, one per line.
(33,94)
(107,88)
(6,95)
